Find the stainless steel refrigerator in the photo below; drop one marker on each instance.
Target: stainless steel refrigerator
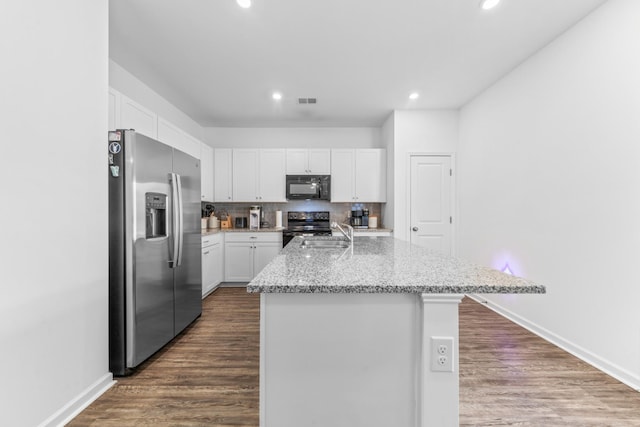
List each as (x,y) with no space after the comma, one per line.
(155,281)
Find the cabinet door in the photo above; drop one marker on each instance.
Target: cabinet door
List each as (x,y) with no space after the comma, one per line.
(191,146)
(272,176)
(171,135)
(206,171)
(245,175)
(297,163)
(222,176)
(135,116)
(217,256)
(319,161)
(264,253)
(208,269)
(114,109)
(370,175)
(238,262)
(342,175)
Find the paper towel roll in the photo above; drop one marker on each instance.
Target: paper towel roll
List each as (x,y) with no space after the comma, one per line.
(278,219)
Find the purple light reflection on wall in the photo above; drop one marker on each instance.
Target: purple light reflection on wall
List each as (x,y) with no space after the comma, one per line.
(507,269)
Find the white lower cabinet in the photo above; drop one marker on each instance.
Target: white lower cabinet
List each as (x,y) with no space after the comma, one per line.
(212,262)
(247,253)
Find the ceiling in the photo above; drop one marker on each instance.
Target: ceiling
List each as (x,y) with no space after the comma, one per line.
(361,59)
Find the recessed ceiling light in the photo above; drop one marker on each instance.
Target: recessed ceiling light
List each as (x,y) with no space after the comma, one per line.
(488,4)
(245,4)
(277,96)
(414,95)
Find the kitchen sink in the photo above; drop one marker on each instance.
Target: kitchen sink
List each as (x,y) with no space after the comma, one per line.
(324,244)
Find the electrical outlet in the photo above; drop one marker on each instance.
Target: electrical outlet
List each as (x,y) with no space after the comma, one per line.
(442,354)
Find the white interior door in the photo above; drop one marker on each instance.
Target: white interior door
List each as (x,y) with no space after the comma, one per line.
(431,202)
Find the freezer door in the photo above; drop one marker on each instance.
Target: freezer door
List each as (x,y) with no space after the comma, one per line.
(188,274)
(150,309)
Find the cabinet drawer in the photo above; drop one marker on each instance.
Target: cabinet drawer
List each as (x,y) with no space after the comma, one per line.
(211,239)
(253,237)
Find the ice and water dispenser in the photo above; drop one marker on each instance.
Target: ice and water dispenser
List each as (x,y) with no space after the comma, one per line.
(156,213)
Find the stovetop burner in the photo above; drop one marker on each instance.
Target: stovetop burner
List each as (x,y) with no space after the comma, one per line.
(306,223)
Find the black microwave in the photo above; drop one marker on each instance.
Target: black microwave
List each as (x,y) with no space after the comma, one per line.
(305,187)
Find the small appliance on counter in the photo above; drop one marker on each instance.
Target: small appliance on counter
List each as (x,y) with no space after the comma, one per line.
(241,222)
(263,223)
(255,217)
(359,216)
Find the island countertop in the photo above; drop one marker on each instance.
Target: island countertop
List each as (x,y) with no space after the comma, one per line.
(381,265)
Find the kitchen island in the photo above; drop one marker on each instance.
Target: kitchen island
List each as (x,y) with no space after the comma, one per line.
(365,335)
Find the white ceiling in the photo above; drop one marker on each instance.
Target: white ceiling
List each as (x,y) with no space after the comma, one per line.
(360,58)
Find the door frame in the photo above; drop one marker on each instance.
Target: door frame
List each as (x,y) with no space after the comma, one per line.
(453,196)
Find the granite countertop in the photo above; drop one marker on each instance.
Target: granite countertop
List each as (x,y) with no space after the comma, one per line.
(381,265)
(373,230)
(208,231)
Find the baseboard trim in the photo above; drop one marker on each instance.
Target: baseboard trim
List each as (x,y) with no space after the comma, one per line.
(77,405)
(233,284)
(592,359)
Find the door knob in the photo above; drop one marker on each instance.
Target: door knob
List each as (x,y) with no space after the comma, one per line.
(415,228)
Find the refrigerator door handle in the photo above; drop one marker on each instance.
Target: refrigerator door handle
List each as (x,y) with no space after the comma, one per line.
(180,221)
(175,218)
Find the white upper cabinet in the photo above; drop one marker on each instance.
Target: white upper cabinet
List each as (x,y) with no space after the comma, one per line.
(191,146)
(302,161)
(343,175)
(259,175)
(206,172)
(371,175)
(222,175)
(114,110)
(245,175)
(170,134)
(177,138)
(125,113)
(358,175)
(272,175)
(135,116)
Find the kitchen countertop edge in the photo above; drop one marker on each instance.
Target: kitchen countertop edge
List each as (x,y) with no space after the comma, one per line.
(210,231)
(382,265)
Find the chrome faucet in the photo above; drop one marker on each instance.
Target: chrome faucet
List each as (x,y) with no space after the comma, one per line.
(348,235)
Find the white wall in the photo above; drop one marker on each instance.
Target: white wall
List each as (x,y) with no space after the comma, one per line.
(416,132)
(387,132)
(549,182)
(293,137)
(54,276)
(123,81)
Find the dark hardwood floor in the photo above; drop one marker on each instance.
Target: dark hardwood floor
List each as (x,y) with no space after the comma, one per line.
(509,376)
(208,376)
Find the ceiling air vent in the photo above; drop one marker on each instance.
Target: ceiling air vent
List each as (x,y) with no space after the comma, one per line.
(307,101)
